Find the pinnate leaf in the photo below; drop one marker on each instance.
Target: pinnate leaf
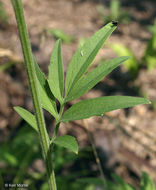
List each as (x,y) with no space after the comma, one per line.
(98,106)
(68,142)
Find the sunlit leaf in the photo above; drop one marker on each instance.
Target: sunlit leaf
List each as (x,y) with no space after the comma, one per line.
(98,106)
(149,57)
(132,64)
(92,78)
(60,34)
(85,55)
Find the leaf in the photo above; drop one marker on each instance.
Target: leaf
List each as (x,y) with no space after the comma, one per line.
(85,55)
(91,180)
(151,62)
(98,106)
(149,57)
(132,64)
(56,73)
(47,98)
(146,182)
(115,9)
(68,142)
(60,34)
(8,158)
(93,77)
(27,116)
(121,183)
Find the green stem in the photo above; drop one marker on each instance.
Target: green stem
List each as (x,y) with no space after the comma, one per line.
(57,123)
(55,133)
(28,57)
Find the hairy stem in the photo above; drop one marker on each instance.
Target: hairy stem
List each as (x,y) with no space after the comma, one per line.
(29,64)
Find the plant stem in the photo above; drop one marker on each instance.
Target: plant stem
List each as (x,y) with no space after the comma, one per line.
(29,64)
(95,152)
(57,123)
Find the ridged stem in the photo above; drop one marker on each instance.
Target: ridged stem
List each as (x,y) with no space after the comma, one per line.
(29,65)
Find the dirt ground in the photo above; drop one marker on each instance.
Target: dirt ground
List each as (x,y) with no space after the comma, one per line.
(127,137)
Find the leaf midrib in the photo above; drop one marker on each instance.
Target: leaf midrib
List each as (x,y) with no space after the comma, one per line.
(81,68)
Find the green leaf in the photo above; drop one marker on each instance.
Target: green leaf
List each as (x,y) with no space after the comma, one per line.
(27,116)
(68,142)
(85,55)
(115,9)
(149,57)
(92,78)
(151,62)
(60,34)
(146,182)
(132,64)
(47,98)
(56,73)
(121,183)
(98,106)
(10,159)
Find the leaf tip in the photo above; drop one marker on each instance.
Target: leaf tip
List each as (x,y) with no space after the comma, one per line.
(59,41)
(16,108)
(147,101)
(127,57)
(115,23)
